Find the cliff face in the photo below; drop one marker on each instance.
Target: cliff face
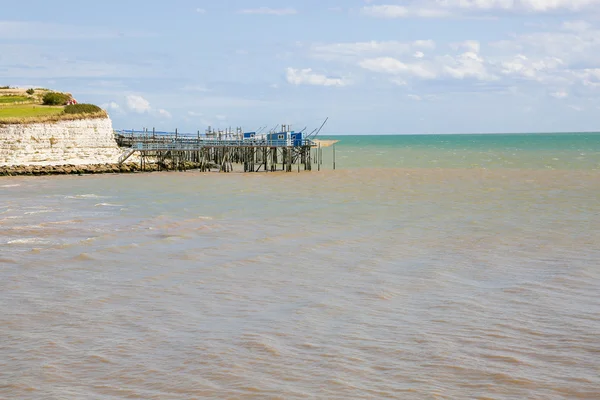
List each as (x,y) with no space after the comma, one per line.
(88,141)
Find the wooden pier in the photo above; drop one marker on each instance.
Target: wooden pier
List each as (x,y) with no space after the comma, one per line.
(175,151)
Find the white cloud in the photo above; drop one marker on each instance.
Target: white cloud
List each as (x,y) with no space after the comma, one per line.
(398,81)
(426,97)
(568,55)
(588,77)
(390,65)
(468,45)
(200,10)
(353,49)
(111,106)
(308,77)
(467,65)
(463,66)
(522,66)
(561,44)
(525,5)
(550,5)
(559,95)
(451,8)
(562,58)
(387,65)
(386,11)
(138,104)
(269,11)
(576,26)
(164,113)
(395,11)
(426,44)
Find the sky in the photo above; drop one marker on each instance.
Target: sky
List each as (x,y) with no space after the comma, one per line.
(371,66)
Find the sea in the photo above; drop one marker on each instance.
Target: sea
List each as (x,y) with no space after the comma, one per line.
(422,267)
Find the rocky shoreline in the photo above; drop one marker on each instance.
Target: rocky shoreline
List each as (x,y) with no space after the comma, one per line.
(37,170)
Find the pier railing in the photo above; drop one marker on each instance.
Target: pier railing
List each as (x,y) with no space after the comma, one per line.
(161,141)
(196,145)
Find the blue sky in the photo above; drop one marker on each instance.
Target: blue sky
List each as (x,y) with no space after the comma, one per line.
(372,66)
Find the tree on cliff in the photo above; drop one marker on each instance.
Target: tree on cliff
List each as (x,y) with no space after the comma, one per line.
(56,99)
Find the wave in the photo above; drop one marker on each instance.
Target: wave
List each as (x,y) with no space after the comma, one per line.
(65,222)
(34,240)
(108,205)
(39,212)
(85,196)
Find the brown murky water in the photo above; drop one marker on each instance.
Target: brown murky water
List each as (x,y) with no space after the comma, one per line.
(365,283)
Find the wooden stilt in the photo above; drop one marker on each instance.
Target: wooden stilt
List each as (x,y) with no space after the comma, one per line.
(334,157)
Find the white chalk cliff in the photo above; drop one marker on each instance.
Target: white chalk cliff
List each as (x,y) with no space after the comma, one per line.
(87,141)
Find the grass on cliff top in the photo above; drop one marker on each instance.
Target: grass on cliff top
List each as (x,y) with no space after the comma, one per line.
(13,111)
(15,99)
(27,95)
(30,114)
(28,111)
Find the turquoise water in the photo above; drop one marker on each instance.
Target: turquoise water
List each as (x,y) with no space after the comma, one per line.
(537,151)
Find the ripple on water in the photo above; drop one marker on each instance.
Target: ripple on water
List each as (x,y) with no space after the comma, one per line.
(380,286)
(83,257)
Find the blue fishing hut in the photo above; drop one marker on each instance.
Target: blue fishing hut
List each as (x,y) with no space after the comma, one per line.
(279,137)
(287,136)
(296,138)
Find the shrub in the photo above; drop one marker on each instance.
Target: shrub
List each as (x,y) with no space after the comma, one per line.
(30,91)
(82,109)
(56,99)
(4,87)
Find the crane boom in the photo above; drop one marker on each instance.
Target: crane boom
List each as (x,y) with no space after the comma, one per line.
(319,130)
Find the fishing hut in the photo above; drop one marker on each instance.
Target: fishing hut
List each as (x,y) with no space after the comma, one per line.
(280,149)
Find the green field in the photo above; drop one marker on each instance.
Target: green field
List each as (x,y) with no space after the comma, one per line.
(28,111)
(16,107)
(15,99)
